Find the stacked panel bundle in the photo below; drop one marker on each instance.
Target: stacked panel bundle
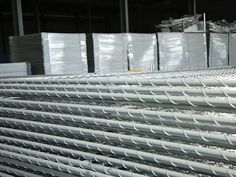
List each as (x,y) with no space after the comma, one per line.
(51,53)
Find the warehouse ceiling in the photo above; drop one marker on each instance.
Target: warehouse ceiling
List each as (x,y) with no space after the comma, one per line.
(103,15)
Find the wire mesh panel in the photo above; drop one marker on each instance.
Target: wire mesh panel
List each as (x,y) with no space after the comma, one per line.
(177,124)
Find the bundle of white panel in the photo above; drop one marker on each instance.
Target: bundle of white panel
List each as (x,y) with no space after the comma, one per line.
(142,51)
(110,53)
(178,51)
(218,51)
(51,53)
(14,69)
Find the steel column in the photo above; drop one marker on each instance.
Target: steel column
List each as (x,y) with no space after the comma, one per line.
(124,15)
(17,17)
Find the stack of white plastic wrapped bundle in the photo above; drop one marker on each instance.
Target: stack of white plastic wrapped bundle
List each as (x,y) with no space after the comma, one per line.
(179,51)
(51,53)
(15,69)
(178,124)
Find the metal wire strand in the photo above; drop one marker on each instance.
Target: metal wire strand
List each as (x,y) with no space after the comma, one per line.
(185,135)
(129,153)
(210,81)
(35,168)
(16,172)
(104,122)
(146,115)
(2,174)
(69,161)
(51,164)
(157,74)
(220,102)
(188,150)
(98,158)
(217,91)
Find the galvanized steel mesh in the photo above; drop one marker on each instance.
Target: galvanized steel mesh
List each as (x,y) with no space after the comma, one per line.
(174,124)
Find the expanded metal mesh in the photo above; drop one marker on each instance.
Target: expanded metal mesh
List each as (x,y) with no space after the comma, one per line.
(174,124)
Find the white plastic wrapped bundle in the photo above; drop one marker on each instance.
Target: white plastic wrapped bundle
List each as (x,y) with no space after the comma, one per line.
(51,53)
(142,51)
(232,51)
(171,51)
(64,53)
(110,53)
(218,53)
(179,51)
(195,50)
(14,69)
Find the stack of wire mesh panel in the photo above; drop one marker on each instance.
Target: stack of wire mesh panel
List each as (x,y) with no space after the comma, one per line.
(175,124)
